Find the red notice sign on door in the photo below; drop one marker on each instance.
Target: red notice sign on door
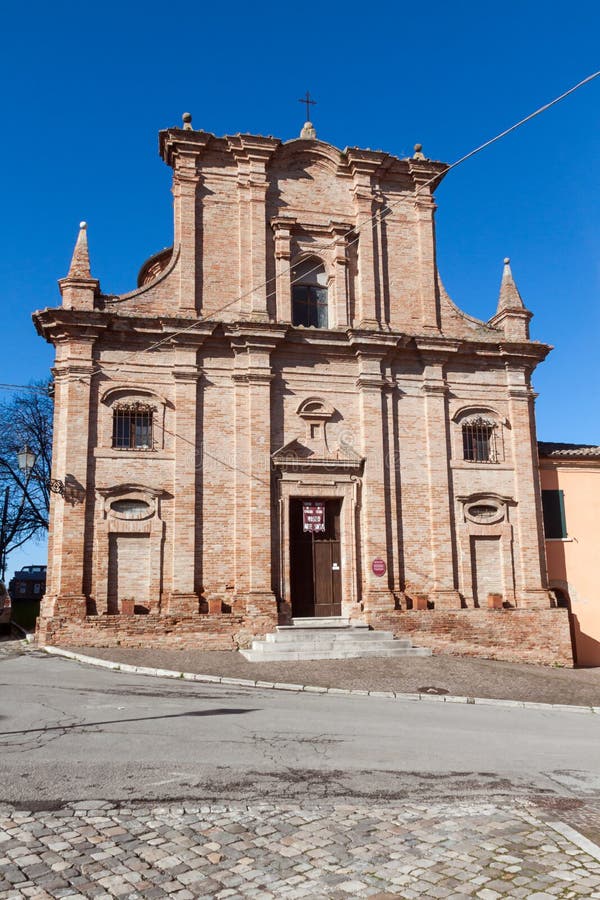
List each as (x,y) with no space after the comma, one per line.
(313,517)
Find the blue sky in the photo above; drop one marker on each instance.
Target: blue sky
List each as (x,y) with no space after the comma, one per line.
(86,87)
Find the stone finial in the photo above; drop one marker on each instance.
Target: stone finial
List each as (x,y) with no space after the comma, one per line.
(308,132)
(418,154)
(511,316)
(80,262)
(187,121)
(78,288)
(510,298)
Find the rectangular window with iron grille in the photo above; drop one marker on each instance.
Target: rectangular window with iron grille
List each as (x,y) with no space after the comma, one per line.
(132,426)
(479,441)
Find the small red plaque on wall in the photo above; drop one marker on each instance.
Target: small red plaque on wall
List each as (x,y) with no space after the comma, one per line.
(379,568)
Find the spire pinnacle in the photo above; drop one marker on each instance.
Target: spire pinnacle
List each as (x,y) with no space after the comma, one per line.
(78,288)
(511,316)
(510,298)
(80,262)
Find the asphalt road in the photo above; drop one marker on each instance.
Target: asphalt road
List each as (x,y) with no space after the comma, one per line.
(70,732)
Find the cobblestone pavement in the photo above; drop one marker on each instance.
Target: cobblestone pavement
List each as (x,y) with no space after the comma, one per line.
(269,850)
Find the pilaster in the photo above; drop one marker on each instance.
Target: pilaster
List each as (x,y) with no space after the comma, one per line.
(339,303)
(252,155)
(424,218)
(363,166)
(530,575)
(252,469)
(282,228)
(441,529)
(68,559)
(183,597)
(376,593)
(183,149)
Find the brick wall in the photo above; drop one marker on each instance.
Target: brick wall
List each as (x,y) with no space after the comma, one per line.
(533,636)
(206,632)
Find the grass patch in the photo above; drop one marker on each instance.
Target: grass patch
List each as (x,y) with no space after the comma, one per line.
(25,612)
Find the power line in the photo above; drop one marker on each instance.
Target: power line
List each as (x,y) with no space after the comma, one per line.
(25,387)
(373,221)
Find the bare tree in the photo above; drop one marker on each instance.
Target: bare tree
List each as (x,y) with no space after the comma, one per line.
(25,421)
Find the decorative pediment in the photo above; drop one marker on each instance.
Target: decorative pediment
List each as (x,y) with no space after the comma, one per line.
(315,408)
(298,455)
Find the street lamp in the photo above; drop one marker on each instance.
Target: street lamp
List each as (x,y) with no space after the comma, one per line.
(26,459)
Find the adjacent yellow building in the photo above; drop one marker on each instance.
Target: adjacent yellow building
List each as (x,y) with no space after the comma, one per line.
(570,480)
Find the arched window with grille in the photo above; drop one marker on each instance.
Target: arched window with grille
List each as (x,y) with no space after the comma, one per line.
(309,294)
(132,426)
(479,440)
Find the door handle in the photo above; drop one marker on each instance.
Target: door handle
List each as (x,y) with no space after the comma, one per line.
(335,567)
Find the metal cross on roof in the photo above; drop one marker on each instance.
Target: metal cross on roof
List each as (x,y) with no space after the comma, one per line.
(308,103)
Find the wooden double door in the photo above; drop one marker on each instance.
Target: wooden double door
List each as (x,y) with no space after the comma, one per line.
(315,563)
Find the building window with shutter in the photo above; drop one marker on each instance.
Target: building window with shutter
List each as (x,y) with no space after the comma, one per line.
(553,505)
(132,426)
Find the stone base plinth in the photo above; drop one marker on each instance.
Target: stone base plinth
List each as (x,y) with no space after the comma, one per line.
(533,599)
(181,605)
(445,599)
(72,606)
(379,601)
(259,603)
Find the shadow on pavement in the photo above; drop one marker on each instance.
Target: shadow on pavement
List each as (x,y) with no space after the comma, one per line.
(207,712)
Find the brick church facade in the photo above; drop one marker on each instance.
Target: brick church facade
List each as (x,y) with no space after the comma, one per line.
(294,362)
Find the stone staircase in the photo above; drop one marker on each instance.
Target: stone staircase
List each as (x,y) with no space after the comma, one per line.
(329,638)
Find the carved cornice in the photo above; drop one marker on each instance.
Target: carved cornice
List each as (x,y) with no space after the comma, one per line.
(173,143)
(186,374)
(250,377)
(251,154)
(435,387)
(254,336)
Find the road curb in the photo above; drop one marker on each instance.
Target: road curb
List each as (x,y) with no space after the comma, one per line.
(311,689)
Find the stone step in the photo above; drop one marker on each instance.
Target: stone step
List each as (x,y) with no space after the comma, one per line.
(300,635)
(331,637)
(361,652)
(322,622)
(284,646)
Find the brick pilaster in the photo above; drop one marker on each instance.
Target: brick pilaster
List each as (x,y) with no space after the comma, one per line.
(530,574)
(376,593)
(339,303)
(252,155)
(441,529)
(183,597)
(253,507)
(282,228)
(69,563)
(425,235)
(186,180)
